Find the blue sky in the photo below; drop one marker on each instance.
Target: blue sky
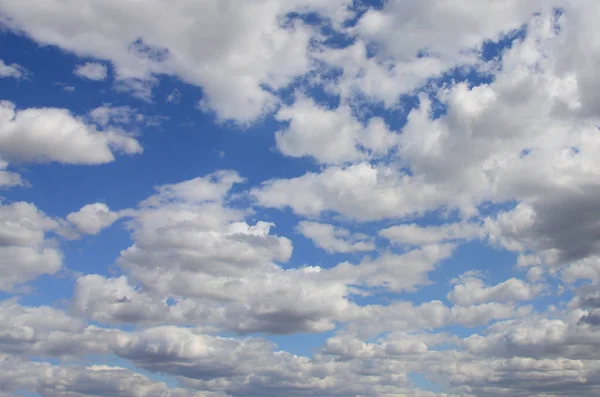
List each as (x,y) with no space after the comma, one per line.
(303,198)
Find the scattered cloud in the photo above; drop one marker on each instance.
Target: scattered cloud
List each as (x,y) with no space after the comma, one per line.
(335,239)
(92,71)
(406,208)
(14,70)
(44,135)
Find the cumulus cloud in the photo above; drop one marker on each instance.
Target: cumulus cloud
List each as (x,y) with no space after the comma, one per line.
(54,135)
(361,191)
(92,218)
(508,159)
(471,290)
(232,51)
(392,271)
(14,70)
(80,381)
(108,114)
(174,96)
(331,136)
(92,71)
(335,239)
(8,178)
(413,234)
(26,250)
(220,269)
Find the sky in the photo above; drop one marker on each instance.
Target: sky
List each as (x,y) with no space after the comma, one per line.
(303,198)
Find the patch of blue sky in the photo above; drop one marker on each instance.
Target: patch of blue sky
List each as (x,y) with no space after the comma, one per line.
(115,361)
(495,266)
(421,382)
(300,344)
(25,393)
(460,331)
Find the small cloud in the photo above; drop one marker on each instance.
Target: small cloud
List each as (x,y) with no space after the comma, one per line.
(139,88)
(108,114)
(174,96)
(65,87)
(92,71)
(155,121)
(14,70)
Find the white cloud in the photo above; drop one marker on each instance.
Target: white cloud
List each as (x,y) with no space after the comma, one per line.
(52,134)
(80,381)
(108,114)
(26,252)
(471,290)
(331,136)
(8,178)
(431,25)
(230,50)
(191,248)
(413,234)
(14,71)
(378,80)
(174,96)
(92,218)
(527,141)
(335,239)
(92,71)
(395,272)
(362,191)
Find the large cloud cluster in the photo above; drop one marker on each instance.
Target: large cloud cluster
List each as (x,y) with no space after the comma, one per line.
(499,149)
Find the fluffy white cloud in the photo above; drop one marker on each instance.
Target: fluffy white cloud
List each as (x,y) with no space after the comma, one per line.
(8,178)
(80,381)
(413,234)
(195,258)
(231,50)
(431,26)
(108,114)
(331,136)
(215,366)
(471,290)
(455,160)
(26,252)
(382,63)
(92,218)
(92,71)
(378,79)
(14,71)
(51,134)
(515,157)
(362,191)
(394,272)
(335,239)
(174,97)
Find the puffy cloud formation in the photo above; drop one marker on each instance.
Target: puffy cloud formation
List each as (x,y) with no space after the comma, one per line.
(108,114)
(55,135)
(335,239)
(45,135)
(231,50)
(92,218)
(438,238)
(8,178)
(14,70)
(92,71)
(26,250)
(330,136)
